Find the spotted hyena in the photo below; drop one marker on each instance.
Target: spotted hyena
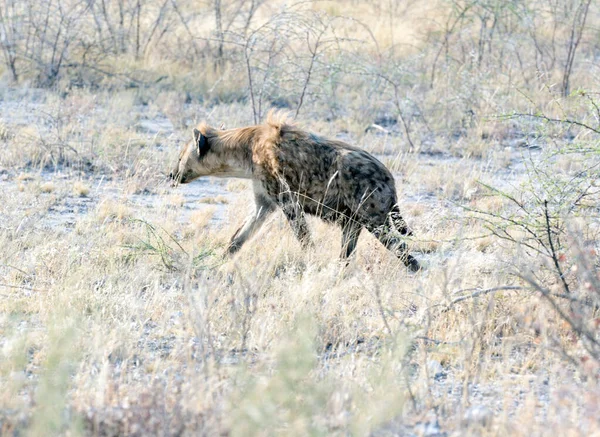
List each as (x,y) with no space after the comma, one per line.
(301,173)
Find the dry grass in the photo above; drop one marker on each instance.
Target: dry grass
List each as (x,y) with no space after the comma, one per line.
(131,322)
(81,189)
(119,314)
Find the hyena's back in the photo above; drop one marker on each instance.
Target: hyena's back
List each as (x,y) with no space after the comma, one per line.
(335,180)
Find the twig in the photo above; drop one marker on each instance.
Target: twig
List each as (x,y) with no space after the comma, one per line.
(16,268)
(381,311)
(314,53)
(480,292)
(437,342)
(548,295)
(21,287)
(574,40)
(399,109)
(553,251)
(553,120)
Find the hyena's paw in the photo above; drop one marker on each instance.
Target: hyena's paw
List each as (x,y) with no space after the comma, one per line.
(412,263)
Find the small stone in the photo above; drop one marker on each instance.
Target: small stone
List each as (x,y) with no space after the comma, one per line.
(428,429)
(435,370)
(478,415)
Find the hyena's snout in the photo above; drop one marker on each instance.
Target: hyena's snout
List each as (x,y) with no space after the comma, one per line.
(175,176)
(180,177)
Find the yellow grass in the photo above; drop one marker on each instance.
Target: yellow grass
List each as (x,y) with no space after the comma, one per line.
(120,313)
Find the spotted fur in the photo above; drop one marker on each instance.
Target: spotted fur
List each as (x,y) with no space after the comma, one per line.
(301,173)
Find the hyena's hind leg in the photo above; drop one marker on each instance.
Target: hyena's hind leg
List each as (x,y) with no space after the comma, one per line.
(388,236)
(264,207)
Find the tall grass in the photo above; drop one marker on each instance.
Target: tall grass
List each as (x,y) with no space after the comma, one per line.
(119,314)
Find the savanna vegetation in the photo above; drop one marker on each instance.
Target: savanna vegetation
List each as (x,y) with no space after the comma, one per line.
(119,314)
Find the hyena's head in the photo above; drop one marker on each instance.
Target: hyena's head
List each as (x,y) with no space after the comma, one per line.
(195,160)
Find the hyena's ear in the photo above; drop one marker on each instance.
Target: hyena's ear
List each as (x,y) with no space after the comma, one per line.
(201,143)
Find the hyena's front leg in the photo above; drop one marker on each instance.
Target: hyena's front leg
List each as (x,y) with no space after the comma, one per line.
(350,233)
(298,223)
(263,209)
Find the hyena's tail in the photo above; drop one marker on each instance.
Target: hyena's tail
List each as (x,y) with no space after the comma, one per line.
(398,222)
